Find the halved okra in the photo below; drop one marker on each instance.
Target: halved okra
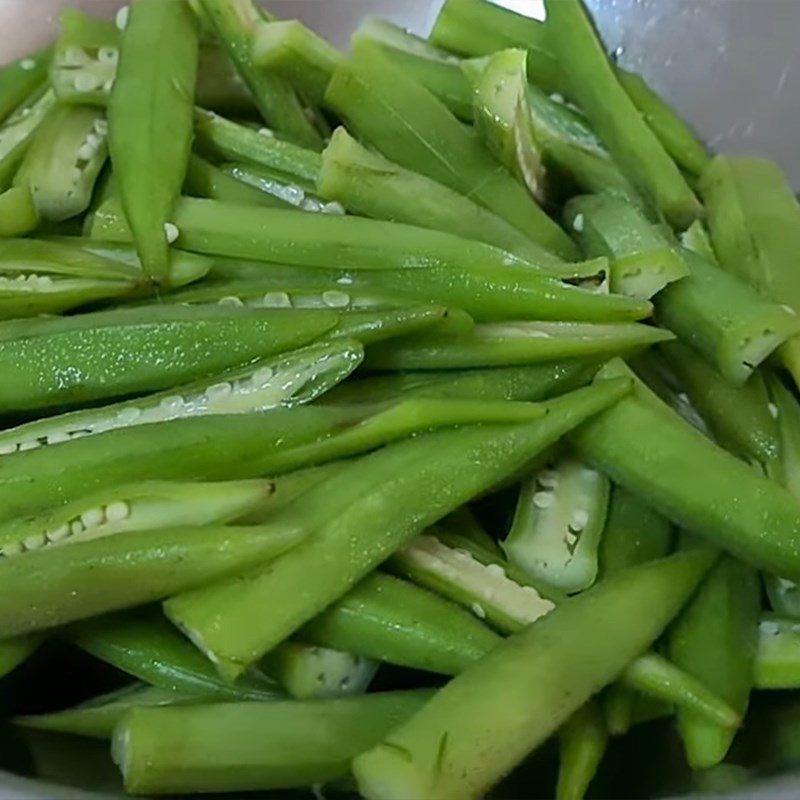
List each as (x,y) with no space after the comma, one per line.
(142,506)
(558,523)
(20,78)
(436,69)
(280,745)
(645,446)
(237,22)
(507,343)
(310,672)
(64,161)
(144,645)
(777,663)
(97,718)
(754,221)
(366,497)
(370,93)
(149,152)
(490,717)
(642,260)
(366,183)
(18,131)
(51,362)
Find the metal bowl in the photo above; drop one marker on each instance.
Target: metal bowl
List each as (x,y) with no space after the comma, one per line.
(729,66)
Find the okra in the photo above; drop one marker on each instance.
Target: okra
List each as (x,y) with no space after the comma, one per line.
(777,663)
(487,719)
(17,212)
(113,353)
(722,319)
(256,746)
(143,644)
(236,22)
(642,260)
(20,78)
(704,499)
(294,378)
(436,69)
(715,640)
(14,652)
(786,411)
(143,506)
(53,586)
(503,344)
(753,219)
(309,672)
(741,418)
(220,619)
(295,53)
(478,28)
(591,80)
(366,183)
(370,93)
(203,179)
(158,65)
(391,620)
(582,743)
(97,718)
(19,130)
(557,527)
(376,325)
(696,239)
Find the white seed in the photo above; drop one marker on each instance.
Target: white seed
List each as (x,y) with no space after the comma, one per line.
(76,527)
(547,478)
(477,609)
(32,445)
(27,64)
(116,512)
(580,519)
(333,208)
(86,152)
(121,19)
(171,232)
(108,55)
(577,223)
(557,98)
(8,449)
(108,85)
(219,391)
(263,375)
(35,541)
(61,532)
(172,404)
(93,140)
(93,517)
(13,549)
(57,437)
(233,302)
(277,300)
(78,434)
(101,127)
(543,499)
(129,415)
(75,57)
(335,299)
(86,82)
(496,569)
(773,410)
(267,132)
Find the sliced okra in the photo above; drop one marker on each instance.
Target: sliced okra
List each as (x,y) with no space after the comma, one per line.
(20,78)
(17,212)
(556,531)
(52,362)
(138,507)
(287,380)
(18,131)
(64,161)
(309,672)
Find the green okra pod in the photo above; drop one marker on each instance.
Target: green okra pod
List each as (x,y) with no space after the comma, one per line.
(157,65)
(57,362)
(19,130)
(582,742)
(64,162)
(144,645)
(237,23)
(391,620)
(97,718)
(478,28)
(715,640)
(642,260)
(777,662)
(370,93)
(591,80)
(491,716)
(366,183)
(203,179)
(753,219)
(295,53)
(645,446)
(310,672)
(256,746)
(18,215)
(502,344)
(369,496)
(20,78)
(436,69)
(723,319)
(740,418)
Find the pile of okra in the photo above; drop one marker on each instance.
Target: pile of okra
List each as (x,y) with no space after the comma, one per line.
(386,421)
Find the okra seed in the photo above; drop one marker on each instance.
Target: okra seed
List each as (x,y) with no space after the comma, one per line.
(101,127)
(116,512)
(127,416)
(172,404)
(13,549)
(234,302)
(219,391)
(333,208)
(31,445)
(93,140)
(543,499)
(277,300)
(580,519)
(121,19)
(108,55)
(86,152)
(171,232)
(35,541)
(773,410)
(61,532)
(267,132)
(344,281)
(86,82)
(27,64)
(477,609)
(557,98)
(577,223)
(263,375)
(496,569)
(335,299)
(93,517)
(76,527)
(75,57)
(547,478)
(8,449)
(108,85)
